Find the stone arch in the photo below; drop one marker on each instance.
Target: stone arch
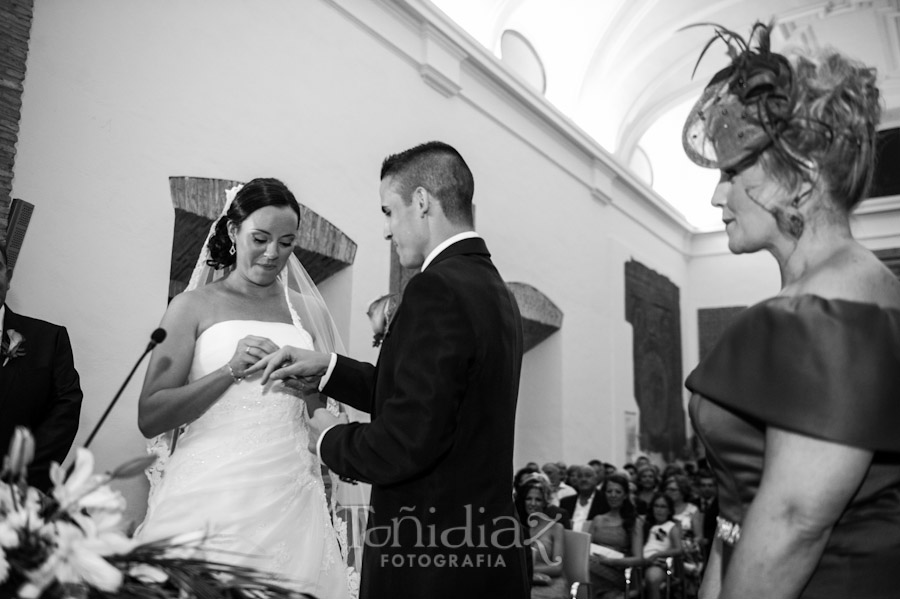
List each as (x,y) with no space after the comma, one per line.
(540,316)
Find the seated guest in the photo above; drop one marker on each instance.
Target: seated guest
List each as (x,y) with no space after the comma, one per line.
(39,386)
(545,538)
(688,516)
(521,474)
(662,540)
(571,473)
(600,473)
(555,512)
(558,489)
(647,486)
(609,469)
(589,502)
(672,470)
(618,541)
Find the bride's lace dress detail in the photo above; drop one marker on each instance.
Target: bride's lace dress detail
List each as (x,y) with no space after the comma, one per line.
(243,473)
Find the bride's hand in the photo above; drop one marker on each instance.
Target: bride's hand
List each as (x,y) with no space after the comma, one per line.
(248,352)
(293,362)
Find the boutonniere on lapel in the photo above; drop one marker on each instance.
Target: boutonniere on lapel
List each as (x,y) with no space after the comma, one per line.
(13,348)
(381,311)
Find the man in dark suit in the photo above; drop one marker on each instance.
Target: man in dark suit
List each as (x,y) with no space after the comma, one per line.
(589,501)
(442,396)
(39,386)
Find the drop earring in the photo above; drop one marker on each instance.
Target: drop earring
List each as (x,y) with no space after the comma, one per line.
(231,250)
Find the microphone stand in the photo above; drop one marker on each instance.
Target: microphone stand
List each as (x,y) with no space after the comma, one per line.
(155,339)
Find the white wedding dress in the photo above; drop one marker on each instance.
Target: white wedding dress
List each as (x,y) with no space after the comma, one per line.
(243,472)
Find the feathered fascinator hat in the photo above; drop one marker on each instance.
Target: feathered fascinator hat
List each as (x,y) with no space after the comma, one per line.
(745,107)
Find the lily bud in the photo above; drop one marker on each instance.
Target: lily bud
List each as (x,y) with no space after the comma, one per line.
(20,455)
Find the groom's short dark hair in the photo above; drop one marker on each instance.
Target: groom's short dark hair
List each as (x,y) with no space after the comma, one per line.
(441,170)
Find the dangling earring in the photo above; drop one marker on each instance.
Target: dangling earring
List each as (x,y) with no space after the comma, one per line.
(231,250)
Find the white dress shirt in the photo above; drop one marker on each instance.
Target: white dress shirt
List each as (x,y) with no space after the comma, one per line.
(580,513)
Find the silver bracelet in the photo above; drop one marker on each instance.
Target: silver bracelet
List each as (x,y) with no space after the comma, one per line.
(237,379)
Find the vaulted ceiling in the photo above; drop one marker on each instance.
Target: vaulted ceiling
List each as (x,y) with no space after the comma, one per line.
(621,69)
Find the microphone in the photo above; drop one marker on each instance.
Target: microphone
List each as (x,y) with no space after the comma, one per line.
(157,337)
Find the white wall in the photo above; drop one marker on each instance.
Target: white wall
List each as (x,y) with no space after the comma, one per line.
(119,96)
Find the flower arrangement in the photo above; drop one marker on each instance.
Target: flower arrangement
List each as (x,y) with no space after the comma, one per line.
(70,543)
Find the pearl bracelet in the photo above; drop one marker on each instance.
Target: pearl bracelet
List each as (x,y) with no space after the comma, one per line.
(237,379)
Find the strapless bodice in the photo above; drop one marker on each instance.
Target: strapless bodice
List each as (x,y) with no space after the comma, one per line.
(216,344)
(248,404)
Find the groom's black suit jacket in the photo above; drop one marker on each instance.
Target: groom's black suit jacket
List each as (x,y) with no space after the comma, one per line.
(438,451)
(41,391)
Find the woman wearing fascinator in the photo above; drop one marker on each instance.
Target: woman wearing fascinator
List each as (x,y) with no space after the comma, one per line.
(234,458)
(798,404)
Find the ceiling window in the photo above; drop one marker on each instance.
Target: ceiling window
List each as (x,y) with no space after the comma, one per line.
(520,57)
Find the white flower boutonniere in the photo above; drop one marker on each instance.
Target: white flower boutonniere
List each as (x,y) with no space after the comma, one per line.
(13,348)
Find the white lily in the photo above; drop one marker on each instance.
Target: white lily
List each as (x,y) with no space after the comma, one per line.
(82,488)
(21,453)
(79,555)
(26,517)
(6,498)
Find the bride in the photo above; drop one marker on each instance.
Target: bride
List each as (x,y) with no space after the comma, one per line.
(234,458)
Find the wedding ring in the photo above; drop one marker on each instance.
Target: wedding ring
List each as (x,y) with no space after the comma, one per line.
(248,349)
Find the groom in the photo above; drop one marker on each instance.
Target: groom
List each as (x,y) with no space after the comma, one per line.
(442,396)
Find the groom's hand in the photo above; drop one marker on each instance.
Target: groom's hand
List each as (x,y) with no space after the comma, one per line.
(321,420)
(293,362)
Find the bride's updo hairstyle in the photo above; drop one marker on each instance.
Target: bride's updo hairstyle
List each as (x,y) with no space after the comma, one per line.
(258,193)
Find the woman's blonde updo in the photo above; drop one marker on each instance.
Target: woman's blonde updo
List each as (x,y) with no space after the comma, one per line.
(837,107)
(807,118)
